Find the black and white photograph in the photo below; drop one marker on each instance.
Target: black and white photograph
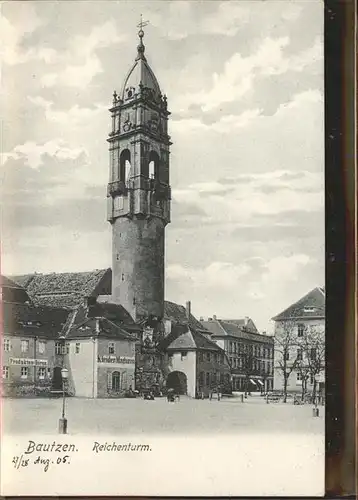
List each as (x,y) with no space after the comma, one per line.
(163,247)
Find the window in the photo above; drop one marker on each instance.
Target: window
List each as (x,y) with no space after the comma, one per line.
(183,355)
(300,330)
(311,379)
(309,309)
(5,372)
(116,381)
(42,373)
(313,353)
(299,354)
(207,378)
(118,203)
(49,372)
(201,379)
(208,357)
(24,346)
(111,348)
(67,348)
(24,372)
(42,347)
(57,347)
(77,348)
(299,377)
(7,345)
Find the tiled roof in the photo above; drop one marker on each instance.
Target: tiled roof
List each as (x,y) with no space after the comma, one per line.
(183,337)
(66,290)
(221,328)
(28,320)
(177,314)
(311,305)
(107,329)
(247,324)
(12,292)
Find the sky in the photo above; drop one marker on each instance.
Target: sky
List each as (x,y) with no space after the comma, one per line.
(244,81)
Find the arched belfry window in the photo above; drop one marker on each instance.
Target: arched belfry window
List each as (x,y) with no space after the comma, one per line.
(154,165)
(124,165)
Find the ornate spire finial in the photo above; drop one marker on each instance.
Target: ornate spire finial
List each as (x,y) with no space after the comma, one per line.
(141,47)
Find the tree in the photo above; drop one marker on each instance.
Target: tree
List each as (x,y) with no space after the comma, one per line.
(285,340)
(313,345)
(248,359)
(304,371)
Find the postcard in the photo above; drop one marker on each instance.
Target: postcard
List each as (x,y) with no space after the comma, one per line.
(162,268)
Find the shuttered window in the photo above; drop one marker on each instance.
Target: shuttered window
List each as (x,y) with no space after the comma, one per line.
(109,381)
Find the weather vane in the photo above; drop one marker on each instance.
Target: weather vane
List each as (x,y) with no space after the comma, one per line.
(142,23)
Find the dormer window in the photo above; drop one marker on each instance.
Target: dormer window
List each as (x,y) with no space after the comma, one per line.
(309,309)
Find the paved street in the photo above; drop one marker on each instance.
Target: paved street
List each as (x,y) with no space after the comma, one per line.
(118,416)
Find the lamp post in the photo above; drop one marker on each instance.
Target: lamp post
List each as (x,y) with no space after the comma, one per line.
(62,427)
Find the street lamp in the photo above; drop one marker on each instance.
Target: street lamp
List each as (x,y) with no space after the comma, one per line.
(62,427)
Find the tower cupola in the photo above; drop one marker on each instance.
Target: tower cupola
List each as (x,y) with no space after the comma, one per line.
(140,76)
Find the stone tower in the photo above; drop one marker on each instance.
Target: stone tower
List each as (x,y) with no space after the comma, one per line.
(138,193)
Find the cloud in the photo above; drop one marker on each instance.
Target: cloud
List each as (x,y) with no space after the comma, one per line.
(182,19)
(285,268)
(35,154)
(12,36)
(225,124)
(75,116)
(239,73)
(83,49)
(242,199)
(216,274)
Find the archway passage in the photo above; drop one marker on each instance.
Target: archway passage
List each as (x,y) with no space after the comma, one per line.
(178,382)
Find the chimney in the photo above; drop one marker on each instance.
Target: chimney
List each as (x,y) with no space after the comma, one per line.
(97,326)
(214,317)
(188,310)
(246,320)
(201,318)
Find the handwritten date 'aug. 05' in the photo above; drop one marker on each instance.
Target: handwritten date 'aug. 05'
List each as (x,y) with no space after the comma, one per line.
(57,458)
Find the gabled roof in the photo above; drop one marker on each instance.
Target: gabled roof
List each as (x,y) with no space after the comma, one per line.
(243,323)
(103,329)
(222,328)
(29,321)
(66,290)
(13,292)
(177,314)
(183,337)
(312,305)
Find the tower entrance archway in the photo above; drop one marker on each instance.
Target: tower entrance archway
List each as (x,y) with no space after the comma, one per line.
(178,381)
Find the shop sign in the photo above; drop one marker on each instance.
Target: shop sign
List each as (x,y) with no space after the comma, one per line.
(116,359)
(28,362)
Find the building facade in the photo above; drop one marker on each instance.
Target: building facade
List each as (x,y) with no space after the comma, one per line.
(250,354)
(299,364)
(195,365)
(29,334)
(100,357)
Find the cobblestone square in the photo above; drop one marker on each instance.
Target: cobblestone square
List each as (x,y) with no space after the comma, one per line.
(136,416)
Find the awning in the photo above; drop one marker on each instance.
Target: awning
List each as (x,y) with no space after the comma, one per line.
(259,381)
(252,381)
